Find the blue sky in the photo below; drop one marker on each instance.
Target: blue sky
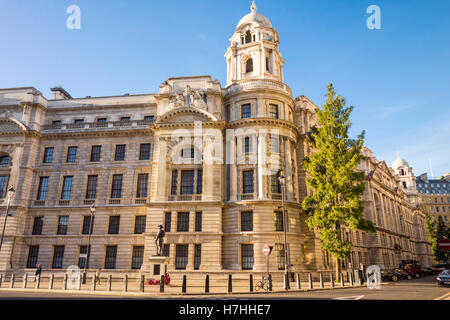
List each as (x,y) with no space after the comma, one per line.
(397,78)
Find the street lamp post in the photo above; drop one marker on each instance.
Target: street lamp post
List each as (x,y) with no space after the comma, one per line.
(282,181)
(88,251)
(10,194)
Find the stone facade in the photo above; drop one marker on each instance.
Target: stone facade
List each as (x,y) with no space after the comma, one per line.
(199,159)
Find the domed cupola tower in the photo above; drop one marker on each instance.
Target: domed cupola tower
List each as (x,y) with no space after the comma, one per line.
(253,52)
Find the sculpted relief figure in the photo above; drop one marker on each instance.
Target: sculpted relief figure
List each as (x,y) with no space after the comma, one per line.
(189,97)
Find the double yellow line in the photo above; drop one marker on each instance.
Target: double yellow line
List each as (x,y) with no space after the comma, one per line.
(444,297)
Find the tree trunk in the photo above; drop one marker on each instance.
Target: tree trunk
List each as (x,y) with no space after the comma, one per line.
(338,261)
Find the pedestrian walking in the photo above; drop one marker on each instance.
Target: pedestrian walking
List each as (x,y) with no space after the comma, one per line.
(37,275)
(291,270)
(362,272)
(97,275)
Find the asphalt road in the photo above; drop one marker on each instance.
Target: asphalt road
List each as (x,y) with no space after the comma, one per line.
(416,289)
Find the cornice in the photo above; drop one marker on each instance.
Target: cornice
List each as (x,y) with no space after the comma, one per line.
(105,133)
(263,121)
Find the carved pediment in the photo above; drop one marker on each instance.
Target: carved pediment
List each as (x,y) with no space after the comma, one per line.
(185,115)
(188,98)
(11,125)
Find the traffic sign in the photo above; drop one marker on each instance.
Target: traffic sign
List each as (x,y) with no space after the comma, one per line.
(444,244)
(266,250)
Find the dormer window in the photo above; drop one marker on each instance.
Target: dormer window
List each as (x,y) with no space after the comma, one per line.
(248,37)
(249,65)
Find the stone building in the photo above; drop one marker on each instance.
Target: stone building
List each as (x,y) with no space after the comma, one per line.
(197,158)
(435,196)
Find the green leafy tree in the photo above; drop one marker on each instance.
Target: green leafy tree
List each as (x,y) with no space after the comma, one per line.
(331,175)
(436,232)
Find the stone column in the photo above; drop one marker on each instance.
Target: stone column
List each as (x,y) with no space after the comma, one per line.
(260,165)
(159,174)
(288,170)
(233,168)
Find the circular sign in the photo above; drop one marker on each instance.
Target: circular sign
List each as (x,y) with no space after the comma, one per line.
(266,250)
(444,244)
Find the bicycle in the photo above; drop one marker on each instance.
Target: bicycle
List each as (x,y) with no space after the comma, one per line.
(263,284)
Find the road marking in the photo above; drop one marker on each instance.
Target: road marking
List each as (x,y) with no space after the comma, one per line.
(444,297)
(349,298)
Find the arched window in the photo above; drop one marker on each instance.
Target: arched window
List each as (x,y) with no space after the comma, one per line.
(404,184)
(248,37)
(4,160)
(249,65)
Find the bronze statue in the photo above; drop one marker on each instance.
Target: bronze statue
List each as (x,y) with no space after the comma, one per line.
(160,240)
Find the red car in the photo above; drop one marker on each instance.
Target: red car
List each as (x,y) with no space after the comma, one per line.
(413,267)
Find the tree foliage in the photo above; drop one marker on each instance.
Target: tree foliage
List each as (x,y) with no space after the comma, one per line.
(331,175)
(436,232)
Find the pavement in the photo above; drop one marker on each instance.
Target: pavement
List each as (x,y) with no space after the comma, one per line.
(416,289)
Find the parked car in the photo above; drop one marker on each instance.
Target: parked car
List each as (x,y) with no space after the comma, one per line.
(390,275)
(443,278)
(414,267)
(440,267)
(429,271)
(404,273)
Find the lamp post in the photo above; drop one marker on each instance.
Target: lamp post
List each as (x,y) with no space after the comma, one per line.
(88,251)
(10,194)
(282,181)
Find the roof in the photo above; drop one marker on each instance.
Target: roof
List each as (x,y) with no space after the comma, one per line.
(254,18)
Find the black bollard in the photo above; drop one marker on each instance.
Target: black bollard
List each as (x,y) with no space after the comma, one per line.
(142,283)
(161,284)
(251,283)
(207,284)
(310,280)
(230,284)
(342,279)
(270,282)
(183,287)
(50,283)
(299,284)
(332,279)
(321,280)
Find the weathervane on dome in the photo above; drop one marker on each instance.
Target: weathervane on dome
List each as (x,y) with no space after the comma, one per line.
(253,7)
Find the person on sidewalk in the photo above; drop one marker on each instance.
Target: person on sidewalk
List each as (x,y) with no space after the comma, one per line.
(361,272)
(97,275)
(291,271)
(37,275)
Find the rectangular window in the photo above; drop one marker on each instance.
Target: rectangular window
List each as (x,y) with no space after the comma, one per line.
(63,223)
(78,121)
(88,225)
(110,257)
(247,256)
(66,192)
(199,181)
(149,118)
(91,189)
(142,186)
(198,221)
(174,182)
(96,152)
(246,111)
(139,224)
(279,247)
(48,155)
(116,189)
(144,151)
(183,222)
(102,120)
(247,221)
(37,225)
(72,154)
(56,122)
(197,256)
(3,184)
(82,257)
(188,153)
(275,184)
(275,144)
(114,223)
(125,118)
(273,111)
(181,256)
(167,221)
(42,189)
(33,253)
(247,181)
(138,257)
(58,257)
(187,182)
(247,145)
(120,152)
(279,221)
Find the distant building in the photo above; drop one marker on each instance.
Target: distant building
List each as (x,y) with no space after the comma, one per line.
(435,195)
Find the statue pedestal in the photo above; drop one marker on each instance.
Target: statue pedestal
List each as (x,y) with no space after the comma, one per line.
(156,265)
